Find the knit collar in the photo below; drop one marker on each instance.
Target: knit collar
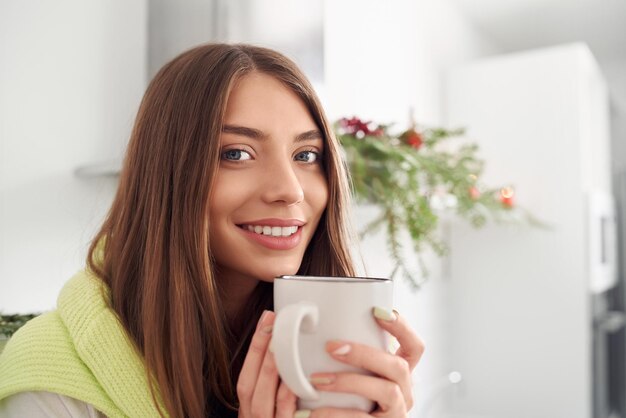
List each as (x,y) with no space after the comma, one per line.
(103,345)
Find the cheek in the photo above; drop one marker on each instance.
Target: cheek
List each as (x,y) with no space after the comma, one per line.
(227,195)
(318,192)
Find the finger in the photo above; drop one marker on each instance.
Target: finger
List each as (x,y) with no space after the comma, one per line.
(336,413)
(377,361)
(252,363)
(285,402)
(411,345)
(264,398)
(386,393)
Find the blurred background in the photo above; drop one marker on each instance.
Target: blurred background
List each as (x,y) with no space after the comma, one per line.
(519,322)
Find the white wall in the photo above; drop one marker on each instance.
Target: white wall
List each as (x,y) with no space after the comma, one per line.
(381,58)
(384,57)
(71,77)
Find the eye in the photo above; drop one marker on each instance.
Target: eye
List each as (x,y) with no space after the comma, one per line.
(236,155)
(308,156)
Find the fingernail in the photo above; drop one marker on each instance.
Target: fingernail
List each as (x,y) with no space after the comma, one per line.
(302,413)
(268,329)
(342,351)
(322,380)
(384,314)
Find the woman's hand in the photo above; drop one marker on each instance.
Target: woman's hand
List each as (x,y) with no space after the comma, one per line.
(258,388)
(391,388)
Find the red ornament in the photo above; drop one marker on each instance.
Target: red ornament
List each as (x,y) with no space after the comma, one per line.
(413,138)
(506,196)
(474,193)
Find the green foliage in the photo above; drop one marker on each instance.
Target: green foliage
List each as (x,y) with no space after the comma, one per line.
(11,323)
(412,177)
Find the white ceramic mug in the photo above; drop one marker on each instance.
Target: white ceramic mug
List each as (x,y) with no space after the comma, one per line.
(310,311)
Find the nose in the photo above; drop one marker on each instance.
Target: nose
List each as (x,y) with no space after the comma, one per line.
(282,185)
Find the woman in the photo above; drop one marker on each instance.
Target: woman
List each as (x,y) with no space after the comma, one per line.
(232,177)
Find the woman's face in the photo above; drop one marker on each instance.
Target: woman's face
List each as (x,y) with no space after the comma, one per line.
(270,190)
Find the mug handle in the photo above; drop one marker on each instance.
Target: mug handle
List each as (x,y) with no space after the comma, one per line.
(292,319)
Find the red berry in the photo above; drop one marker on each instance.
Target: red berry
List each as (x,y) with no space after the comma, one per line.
(414,139)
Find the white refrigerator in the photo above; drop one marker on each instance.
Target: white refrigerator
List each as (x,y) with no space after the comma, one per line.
(520,299)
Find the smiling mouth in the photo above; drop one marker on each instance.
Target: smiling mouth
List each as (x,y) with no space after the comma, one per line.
(271,231)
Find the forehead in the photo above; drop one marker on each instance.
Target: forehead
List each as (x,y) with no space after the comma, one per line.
(264,102)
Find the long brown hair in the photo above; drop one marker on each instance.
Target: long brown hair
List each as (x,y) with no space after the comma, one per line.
(156,256)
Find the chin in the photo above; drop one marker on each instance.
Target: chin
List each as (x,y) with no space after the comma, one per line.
(269,276)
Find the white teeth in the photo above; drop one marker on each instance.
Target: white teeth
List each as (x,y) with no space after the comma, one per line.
(275,231)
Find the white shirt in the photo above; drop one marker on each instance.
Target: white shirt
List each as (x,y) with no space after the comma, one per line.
(46,405)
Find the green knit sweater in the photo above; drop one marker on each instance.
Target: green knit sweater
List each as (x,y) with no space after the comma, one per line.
(79,350)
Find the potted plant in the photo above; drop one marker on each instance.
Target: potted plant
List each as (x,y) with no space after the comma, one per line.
(414,176)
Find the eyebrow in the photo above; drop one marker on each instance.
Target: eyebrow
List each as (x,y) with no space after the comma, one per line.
(313,134)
